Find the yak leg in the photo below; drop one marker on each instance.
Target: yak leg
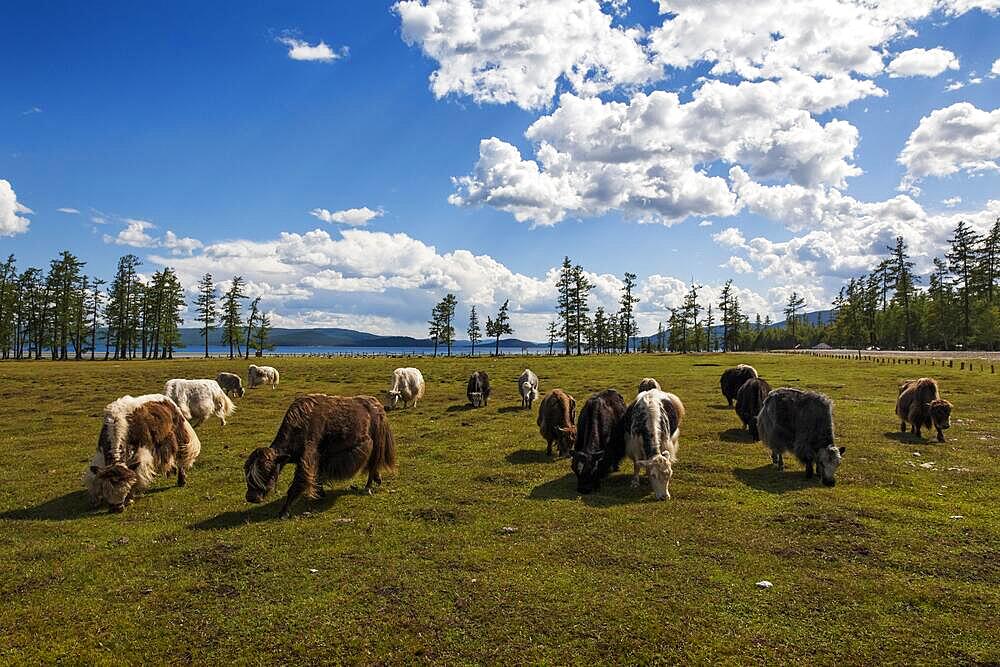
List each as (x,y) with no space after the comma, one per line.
(902,427)
(181,476)
(295,490)
(635,474)
(776,459)
(940,435)
(548,449)
(809,470)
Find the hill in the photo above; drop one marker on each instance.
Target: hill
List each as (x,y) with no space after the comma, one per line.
(334,337)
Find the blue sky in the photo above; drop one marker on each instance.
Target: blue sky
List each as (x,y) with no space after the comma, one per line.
(616,131)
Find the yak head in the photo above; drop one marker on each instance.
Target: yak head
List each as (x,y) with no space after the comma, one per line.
(261,471)
(659,470)
(567,439)
(394,396)
(587,467)
(114,483)
(827,461)
(476,398)
(940,410)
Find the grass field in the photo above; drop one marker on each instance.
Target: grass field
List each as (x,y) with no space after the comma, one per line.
(874,569)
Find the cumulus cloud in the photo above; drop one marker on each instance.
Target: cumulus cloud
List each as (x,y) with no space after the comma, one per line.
(922,62)
(355,217)
(12,212)
(136,234)
(960,137)
(730,236)
(518,51)
(180,245)
(302,50)
(995,70)
(951,202)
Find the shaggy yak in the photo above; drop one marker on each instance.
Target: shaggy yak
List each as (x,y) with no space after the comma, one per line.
(647,384)
(600,443)
(326,438)
(801,422)
(261,375)
(749,400)
(231,384)
(199,400)
(652,436)
(141,437)
(920,405)
(527,386)
(556,421)
(478,389)
(733,378)
(407,386)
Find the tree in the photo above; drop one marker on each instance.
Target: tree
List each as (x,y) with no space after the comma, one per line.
(564,303)
(232,316)
(553,333)
(251,319)
(474,332)
(795,304)
(205,307)
(962,262)
(263,331)
(434,327)
(580,294)
(901,271)
(499,326)
(626,319)
(725,302)
(446,315)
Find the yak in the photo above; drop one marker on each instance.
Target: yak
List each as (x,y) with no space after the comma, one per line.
(600,441)
(557,421)
(801,422)
(652,436)
(733,378)
(920,404)
(749,400)
(478,389)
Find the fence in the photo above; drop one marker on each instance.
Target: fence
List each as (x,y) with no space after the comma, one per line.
(971,364)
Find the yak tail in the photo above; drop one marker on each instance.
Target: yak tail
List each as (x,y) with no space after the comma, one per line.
(224,405)
(383,444)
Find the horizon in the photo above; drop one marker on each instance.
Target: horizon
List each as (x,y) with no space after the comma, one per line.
(355,163)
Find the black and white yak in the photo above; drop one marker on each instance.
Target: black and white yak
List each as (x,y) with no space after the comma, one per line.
(477,390)
(801,422)
(652,437)
(326,438)
(527,386)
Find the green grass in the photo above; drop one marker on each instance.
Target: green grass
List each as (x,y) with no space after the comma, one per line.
(871,570)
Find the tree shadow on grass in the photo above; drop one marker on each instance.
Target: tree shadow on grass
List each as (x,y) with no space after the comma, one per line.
(735,435)
(615,490)
(269,511)
(527,456)
(770,479)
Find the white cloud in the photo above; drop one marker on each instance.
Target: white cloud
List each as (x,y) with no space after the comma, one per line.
(356,217)
(995,70)
(951,202)
(738,265)
(302,50)
(922,62)
(68,210)
(180,245)
(956,138)
(134,234)
(517,51)
(705,223)
(730,236)
(12,212)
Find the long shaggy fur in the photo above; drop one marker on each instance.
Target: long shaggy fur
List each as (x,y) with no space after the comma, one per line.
(327,438)
(527,386)
(800,422)
(920,405)
(652,436)
(260,375)
(557,421)
(749,401)
(648,383)
(140,438)
(477,390)
(407,386)
(733,378)
(200,399)
(600,441)
(231,383)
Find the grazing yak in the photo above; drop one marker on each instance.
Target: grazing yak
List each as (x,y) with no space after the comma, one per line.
(326,438)
(652,435)
(527,386)
(749,400)
(141,437)
(801,422)
(261,375)
(600,444)
(557,421)
(478,389)
(647,384)
(733,378)
(199,400)
(920,405)
(407,386)
(231,383)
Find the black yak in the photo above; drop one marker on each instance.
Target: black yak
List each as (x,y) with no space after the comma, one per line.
(749,401)
(478,389)
(326,438)
(733,378)
(801,422)
(600,441)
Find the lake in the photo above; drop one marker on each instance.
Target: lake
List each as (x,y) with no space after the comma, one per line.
(323,351)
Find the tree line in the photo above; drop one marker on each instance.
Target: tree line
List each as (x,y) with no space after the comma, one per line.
(63,313)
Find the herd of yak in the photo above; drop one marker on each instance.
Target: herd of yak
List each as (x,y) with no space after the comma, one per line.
(331,438)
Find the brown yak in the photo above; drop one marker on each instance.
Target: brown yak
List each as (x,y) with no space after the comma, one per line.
(326,438)
(920,405)
(557,421)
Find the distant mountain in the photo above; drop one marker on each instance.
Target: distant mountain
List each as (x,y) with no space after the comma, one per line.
(331,337)
(814,317)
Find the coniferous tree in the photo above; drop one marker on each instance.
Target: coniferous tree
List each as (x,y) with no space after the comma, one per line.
(796,303)
(499,326)
(474,331)
(205,307)
(553,333)
(901,271)
(446,315)
(251,321)
(579,299)
(564,303)
(626,318)
(263,333)
(962,263)
(232,316)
